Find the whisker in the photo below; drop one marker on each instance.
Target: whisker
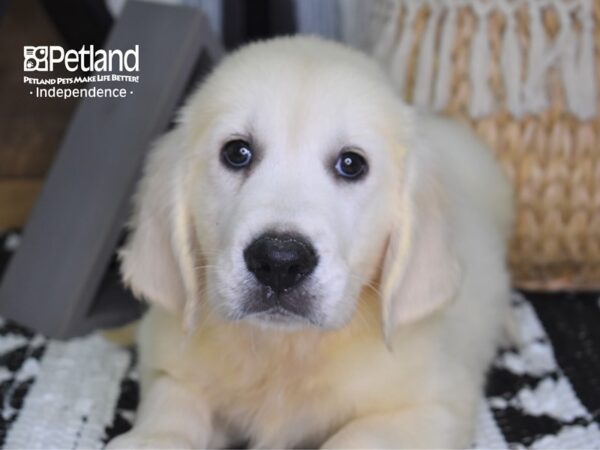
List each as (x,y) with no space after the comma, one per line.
(368,284)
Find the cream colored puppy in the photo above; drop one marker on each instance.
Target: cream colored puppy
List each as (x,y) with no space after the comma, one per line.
(326,266)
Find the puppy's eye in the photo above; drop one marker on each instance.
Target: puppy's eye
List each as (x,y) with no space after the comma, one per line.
(237,154)
(351,165)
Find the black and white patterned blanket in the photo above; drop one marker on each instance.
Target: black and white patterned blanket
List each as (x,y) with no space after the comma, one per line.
(79,393)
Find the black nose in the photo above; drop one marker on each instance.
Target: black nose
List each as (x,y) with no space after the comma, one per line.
(280,261)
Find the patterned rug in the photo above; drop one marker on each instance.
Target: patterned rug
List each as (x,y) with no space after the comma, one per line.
(79,393)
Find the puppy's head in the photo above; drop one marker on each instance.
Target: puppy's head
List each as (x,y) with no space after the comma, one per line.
(292,182)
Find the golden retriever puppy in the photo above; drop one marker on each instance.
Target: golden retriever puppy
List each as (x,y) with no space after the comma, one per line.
(326,266)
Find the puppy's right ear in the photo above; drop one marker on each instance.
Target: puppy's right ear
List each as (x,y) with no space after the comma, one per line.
(421,271)
(157,261)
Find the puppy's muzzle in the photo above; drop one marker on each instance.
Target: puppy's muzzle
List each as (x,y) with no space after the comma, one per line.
(280,261)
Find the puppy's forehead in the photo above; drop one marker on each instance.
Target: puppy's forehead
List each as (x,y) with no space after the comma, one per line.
(299,92)
(291,83)
(303,105)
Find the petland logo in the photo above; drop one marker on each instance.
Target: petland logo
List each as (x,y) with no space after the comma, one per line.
(112,69)
(44,58)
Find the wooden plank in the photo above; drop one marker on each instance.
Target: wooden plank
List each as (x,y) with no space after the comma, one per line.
(17,196)
(70,238)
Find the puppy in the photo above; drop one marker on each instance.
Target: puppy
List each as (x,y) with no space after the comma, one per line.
(326,266)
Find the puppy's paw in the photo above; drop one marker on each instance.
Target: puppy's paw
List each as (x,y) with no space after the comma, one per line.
(138,440)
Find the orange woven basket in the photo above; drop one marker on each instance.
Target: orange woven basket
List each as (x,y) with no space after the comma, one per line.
(544,128)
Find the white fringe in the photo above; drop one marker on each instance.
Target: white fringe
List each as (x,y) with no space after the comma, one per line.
(399,61)
(389,34)
(525,75)
(481,101)
(586,83)
(511,63)
(568,62)
(534,90)
(424,76)
(444,72)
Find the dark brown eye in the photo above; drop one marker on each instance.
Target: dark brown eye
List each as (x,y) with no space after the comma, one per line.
(237,154)
(351,165)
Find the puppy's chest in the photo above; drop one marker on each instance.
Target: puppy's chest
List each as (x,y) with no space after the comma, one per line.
(278,385)
(285,393)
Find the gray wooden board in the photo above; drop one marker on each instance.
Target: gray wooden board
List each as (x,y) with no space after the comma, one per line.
(51,282)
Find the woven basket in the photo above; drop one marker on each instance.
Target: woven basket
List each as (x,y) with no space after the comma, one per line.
(527,85)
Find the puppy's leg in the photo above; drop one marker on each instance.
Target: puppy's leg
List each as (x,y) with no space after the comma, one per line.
(426,426)
(169,416)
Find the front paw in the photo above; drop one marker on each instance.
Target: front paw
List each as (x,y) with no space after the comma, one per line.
(155,440)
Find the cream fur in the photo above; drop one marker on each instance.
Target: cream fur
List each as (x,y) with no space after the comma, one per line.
(412,284)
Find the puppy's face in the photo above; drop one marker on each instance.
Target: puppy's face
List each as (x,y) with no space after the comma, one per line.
(294,163)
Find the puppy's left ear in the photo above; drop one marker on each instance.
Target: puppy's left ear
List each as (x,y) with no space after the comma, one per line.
(421,271)
(157,261)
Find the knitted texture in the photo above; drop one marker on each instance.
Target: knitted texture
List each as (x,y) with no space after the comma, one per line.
(524,75)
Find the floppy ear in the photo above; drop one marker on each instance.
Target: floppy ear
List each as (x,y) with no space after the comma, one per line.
(157,261)
(421,272)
